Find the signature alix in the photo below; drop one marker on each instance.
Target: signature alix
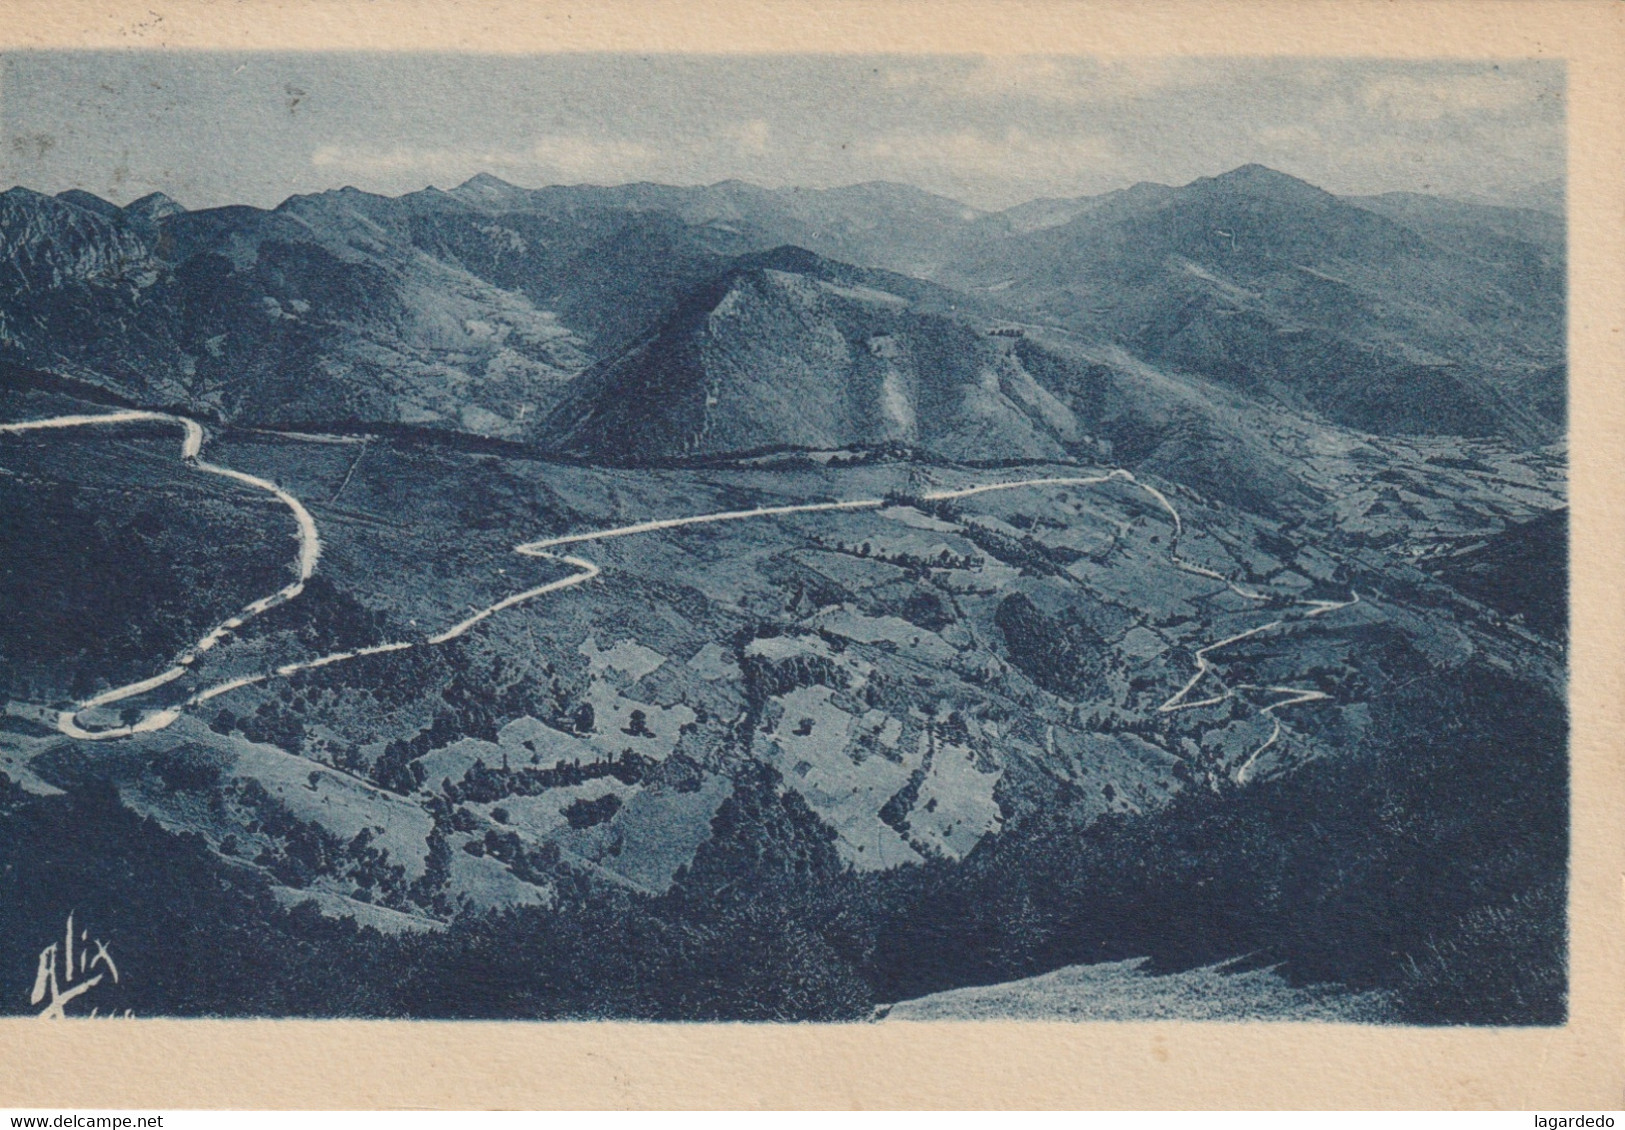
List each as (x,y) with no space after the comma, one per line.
(84,960)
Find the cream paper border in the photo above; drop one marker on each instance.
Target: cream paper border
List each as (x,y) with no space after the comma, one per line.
(357,1064)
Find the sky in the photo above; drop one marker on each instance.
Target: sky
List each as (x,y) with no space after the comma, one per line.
(217,128)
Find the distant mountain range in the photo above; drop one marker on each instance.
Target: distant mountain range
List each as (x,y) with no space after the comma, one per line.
(652,322)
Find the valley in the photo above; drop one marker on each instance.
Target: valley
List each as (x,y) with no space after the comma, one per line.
(587,571)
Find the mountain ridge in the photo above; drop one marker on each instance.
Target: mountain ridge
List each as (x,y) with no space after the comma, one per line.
(475,308)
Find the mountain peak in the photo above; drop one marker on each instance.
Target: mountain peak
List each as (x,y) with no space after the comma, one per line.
(786,257)
(788,349)
(484,186)
(89,201)
(20,194)
(154,205)
(19,201)
(1261,180)
(486,181)
(482,190)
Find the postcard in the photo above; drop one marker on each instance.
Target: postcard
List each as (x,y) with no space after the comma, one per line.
(914,555)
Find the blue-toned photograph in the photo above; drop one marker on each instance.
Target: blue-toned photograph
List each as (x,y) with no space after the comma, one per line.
(788,539)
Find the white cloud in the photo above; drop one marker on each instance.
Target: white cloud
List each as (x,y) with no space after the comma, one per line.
(1047,79)
(753,137)
(1016,153)
(1291,137)
(571,156)
(1416,99)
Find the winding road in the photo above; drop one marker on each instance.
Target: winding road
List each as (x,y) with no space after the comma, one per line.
(310,549)
(1294,695)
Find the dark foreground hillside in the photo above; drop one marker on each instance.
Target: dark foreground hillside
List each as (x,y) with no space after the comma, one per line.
(1429,866)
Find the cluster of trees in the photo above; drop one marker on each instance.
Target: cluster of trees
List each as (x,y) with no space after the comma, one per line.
(1062,654)
(482,783)
(275,721)
(474,700)
(326,619)
(1026,553)
(75,568)
(538,865)
(914,562)
(766,677)
(296,851)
